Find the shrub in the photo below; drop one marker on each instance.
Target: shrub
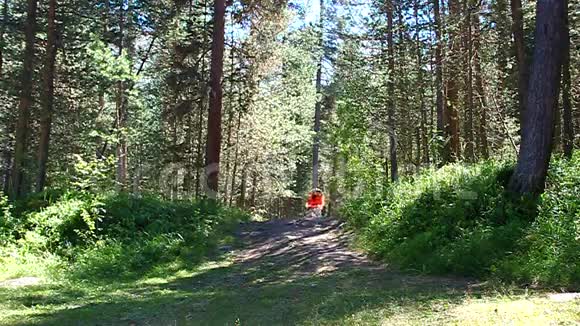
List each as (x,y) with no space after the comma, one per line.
(68,222)
(6,220)
(549,253)
(459,219)
(120,234)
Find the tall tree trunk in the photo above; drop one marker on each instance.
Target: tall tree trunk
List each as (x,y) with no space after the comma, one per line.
(537,130)
(8,123)
(501,17)
(236,156)
(99,140)
(47,97)
(451,115)
(468,80)
(391,93)
(318,105)
(520,49)
(333,191)
(2,31)
(201,108)
(424,139)
(121,118)
(481,105)
(188,173)
(214,128)
(439,82)
(568,136)
(402,137)
(230,126)
(199,141)
(228,147)
(22,124)
(254,191)
(175,159)
(243,186)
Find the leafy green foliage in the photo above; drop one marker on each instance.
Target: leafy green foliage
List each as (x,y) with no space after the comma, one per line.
(119,234)
(459,219)
(550,251)
(6,220)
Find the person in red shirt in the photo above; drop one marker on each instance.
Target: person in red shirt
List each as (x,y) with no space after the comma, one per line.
(315,202)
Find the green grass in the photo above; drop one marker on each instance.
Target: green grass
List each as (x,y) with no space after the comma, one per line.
(223,293)
(461,220)
(117,260)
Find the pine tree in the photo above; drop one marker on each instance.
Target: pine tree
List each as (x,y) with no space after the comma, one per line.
(24,107)
(47,97)
(215,101)
(537,130)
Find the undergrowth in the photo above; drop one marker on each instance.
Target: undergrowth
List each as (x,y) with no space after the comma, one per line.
(460,219)
(99,237)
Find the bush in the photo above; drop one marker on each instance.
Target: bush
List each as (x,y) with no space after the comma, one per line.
(459,219)
(6,220)
(549,253)
(119,234)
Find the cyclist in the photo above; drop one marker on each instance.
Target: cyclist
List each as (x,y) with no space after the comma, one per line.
(315,202)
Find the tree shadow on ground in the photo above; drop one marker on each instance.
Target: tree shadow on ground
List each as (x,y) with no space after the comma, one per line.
(221,297)
(297,274)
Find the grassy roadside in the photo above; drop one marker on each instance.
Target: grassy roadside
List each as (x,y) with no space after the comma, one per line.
(461,220)
(161,281)
(219,293)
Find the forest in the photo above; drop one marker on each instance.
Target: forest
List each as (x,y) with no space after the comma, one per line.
(156,157)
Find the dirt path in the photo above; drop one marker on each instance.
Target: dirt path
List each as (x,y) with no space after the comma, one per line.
(282,272)
(315,247)
(299,247)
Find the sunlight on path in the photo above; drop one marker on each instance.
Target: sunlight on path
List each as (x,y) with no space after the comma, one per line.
(284,272)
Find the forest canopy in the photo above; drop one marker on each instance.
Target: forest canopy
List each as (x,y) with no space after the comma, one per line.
(361,90)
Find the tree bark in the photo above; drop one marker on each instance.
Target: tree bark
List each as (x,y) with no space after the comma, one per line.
(8,123)
(236,156)
(121,118)
(199,141)
(439,81)
(254,191)
(452,142)
(188,173)
(99,141)
(520,49)
(2,31)
(201,108)
(22,124)
(229,127)
(501,17)
(481,103)
(213,146)
(243,186)
(391,93)
(318,105)
(424,138)
(568,135)
(228,147)
(47,97)
(468,80)
(537,130)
